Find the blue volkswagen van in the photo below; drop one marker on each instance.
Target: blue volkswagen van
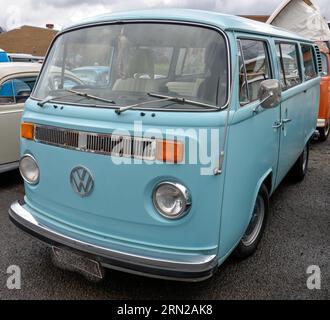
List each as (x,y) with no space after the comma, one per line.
(166,168)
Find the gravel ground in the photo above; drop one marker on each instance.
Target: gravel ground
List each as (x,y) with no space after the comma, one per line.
(297,236)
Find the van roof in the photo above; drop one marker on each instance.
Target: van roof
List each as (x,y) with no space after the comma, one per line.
(223,21)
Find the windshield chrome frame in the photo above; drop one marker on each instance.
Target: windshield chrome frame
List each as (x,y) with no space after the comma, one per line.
(136,21)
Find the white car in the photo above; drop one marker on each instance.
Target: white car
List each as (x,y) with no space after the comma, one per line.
(16,83)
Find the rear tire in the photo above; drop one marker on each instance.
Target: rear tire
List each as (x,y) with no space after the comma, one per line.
(324,132)
(299,170)
(253,234)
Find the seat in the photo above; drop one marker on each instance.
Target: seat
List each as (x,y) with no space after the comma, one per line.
(140,73)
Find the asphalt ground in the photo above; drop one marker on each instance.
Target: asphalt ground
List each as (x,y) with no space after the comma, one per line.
(297,236)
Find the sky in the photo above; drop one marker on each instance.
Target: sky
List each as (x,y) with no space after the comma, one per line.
(65,12)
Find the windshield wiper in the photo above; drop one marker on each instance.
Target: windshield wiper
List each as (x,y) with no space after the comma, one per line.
(89,96)
(73,92)
(165,98)
(52,98)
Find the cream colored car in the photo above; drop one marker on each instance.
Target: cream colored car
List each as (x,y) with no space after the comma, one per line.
(16,83)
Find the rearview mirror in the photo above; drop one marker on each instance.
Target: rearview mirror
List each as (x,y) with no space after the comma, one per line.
(270,93)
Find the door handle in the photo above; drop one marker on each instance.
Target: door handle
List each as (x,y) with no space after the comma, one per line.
(278,124)
(286,121)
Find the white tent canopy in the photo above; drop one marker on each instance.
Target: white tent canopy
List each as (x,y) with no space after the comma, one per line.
(301,17)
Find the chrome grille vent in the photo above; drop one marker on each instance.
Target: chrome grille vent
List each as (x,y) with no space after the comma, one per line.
(57,136)
(113,145)
(319,59)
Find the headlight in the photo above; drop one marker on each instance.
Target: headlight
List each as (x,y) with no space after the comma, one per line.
(29,169)
(172,200)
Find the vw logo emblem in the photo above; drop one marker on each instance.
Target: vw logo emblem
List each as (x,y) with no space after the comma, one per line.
(82,181)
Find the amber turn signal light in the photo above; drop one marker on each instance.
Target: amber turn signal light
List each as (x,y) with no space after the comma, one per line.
(27,130)
(170,151)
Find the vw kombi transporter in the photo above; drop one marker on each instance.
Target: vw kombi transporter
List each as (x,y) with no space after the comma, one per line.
(166,167)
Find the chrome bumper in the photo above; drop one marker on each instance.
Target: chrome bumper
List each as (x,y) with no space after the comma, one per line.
(321,123)
(196,268)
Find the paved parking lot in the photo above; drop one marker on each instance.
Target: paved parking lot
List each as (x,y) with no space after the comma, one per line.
(297,236)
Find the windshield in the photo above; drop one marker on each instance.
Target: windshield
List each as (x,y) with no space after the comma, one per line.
(125,62)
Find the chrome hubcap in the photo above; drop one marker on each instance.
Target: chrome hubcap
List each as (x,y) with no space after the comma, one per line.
(255,225)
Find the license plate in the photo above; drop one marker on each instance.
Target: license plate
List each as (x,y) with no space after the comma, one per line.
(71,261)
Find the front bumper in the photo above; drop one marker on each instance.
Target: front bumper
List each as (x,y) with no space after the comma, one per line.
(186,268)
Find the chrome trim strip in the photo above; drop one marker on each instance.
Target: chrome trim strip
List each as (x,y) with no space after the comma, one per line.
(193,268)
(11,112)
(9,166)
(128,21)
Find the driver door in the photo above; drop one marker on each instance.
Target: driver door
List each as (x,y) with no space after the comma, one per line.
(13,93)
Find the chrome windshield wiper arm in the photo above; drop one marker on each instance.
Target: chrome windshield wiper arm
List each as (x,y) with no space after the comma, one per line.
(73,92)
(183,101)
(51,98)
(165,98)
(89,96)
(123,109)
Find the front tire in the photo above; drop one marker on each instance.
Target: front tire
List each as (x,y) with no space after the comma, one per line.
(299,170)
(253,234)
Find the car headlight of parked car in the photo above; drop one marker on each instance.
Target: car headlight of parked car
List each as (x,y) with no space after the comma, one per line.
(172,200)
(29,169)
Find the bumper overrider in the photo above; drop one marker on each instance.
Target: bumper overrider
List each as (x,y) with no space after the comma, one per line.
(194,268)
(321,123)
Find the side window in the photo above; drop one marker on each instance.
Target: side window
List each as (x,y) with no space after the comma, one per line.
(309,62)
(288,61)
(191,62)
(17,90)
(163,59)
(6,93)
(254,68)
(325,66)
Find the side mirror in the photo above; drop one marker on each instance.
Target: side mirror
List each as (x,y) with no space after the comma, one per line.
(270,94)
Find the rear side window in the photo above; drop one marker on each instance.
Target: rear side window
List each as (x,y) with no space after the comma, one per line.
(191,61)
(288,61)
(7,93)
(163,58)
(325,66)
(16,90)
(309,62)
(254,68)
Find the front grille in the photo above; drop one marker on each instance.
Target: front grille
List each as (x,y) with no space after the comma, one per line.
(108,144)
(57,136)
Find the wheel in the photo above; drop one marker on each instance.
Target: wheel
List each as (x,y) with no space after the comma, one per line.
(324,132)
(253,234)
(299,170)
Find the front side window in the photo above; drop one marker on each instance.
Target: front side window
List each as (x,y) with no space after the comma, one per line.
(16,90)
(309,62)
(124,63)
(254,68)
(325,66)
(288,62)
